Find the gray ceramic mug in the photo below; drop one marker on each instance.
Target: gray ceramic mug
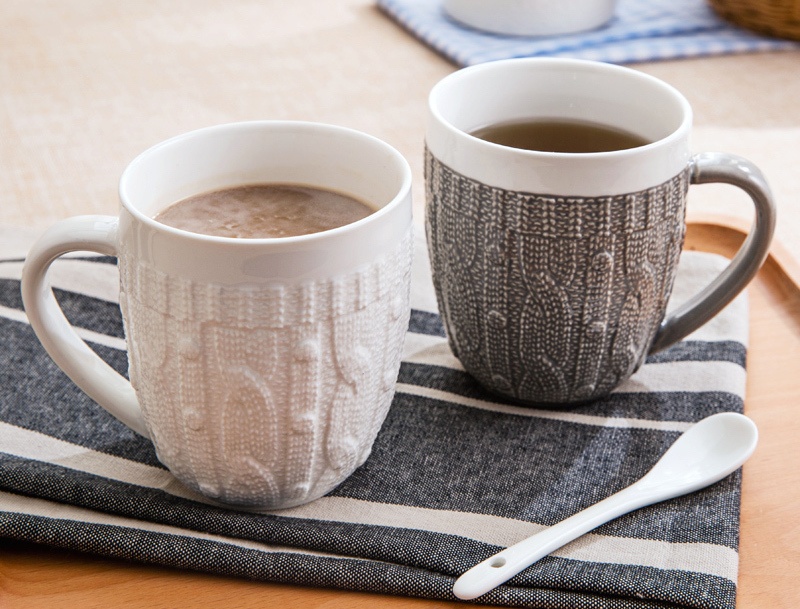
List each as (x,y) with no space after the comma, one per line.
(553,270)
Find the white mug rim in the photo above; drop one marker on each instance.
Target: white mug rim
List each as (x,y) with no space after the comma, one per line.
(310,238)
(677,133)
(468,95)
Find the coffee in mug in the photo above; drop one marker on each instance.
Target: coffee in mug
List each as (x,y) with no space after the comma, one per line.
(260,368)
(262,211)
(553,267)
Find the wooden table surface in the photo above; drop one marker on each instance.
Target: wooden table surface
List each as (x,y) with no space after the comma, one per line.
(86,85)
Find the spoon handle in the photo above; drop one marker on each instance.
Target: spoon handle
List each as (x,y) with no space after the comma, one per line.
(504,565)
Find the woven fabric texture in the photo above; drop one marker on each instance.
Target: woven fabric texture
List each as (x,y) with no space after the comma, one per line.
(454,475)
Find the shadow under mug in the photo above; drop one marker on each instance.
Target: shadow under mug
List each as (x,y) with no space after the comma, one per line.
(261,369)
(553,270)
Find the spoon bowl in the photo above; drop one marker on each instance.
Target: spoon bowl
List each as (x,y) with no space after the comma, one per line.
(704,454)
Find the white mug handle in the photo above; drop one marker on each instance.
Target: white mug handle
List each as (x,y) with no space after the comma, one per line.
(80,363)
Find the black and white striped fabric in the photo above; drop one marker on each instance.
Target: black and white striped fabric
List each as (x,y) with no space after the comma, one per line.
(454,475)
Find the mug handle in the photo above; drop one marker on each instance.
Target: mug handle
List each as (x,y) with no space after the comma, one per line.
(80,363)
(706,168)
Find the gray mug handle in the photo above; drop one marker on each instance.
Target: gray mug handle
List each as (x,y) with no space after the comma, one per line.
(730,169)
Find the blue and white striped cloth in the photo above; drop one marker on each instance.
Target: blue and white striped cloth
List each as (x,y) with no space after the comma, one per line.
(641,30)
(454,476)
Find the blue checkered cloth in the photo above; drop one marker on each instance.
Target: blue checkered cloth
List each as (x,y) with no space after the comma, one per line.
(641,30)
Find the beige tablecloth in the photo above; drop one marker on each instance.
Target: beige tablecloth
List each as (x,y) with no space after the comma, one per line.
(86,85)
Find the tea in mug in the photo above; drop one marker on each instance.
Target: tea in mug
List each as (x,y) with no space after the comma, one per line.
(559,135)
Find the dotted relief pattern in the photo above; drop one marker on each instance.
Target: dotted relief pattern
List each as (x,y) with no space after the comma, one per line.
(551,299)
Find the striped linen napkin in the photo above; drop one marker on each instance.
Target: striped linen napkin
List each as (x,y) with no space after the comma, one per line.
(641,30)
(454,475)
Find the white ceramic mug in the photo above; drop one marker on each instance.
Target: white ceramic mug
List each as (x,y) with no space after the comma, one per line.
(261,369)
(531,17)
(553,269)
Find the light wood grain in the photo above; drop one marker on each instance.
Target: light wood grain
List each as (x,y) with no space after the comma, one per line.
(33,576)
(770,528)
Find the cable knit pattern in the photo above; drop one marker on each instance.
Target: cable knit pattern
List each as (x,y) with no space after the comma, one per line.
(551,299)
(266,395)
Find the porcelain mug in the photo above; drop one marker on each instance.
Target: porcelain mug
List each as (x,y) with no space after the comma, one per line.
(261,369)
(553,270)
(531,17)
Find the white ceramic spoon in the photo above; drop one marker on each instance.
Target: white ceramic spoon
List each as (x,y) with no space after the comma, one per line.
(705,453)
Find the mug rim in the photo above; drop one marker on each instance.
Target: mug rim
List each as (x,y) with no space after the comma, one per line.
(574,89)
(402,192)
(679,132)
